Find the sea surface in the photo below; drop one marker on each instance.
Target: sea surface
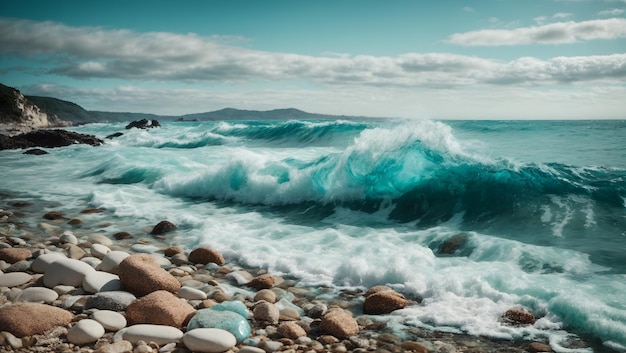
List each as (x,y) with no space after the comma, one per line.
(536,209)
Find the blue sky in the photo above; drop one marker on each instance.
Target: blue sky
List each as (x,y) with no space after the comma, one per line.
(491,59)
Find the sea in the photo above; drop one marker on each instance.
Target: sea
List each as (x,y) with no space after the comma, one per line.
(467,218)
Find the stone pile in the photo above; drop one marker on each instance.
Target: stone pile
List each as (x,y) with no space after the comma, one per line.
(66,292)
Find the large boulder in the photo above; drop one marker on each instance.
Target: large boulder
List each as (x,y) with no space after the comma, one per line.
(339,323)
(518,317)
(141,274)
(34,318)
(159,308)
(143,124)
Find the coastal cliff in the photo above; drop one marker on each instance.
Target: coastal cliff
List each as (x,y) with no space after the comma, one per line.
(18,114)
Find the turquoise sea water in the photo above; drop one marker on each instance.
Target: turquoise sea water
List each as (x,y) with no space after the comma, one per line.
(541,206)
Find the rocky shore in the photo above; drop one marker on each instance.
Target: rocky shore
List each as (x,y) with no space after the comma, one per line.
(65,287)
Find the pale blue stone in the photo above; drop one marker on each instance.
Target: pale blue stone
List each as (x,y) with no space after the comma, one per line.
(225,320)
(234,306)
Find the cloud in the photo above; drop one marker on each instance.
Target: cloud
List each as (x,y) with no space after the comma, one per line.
(468,9)
(554,33)
(562,15)
(94,52)
(611,12)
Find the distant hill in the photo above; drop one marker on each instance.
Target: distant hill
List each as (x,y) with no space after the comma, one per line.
(237,114)
(63,111)
(77,115)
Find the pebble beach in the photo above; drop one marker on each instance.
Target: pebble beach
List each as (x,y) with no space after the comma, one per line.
(68,286)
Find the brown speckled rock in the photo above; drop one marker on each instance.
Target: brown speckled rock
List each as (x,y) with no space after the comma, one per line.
(265,281)
(34,318)
(266,312)
(159,308)
(537,347)
(291,330)
(173,250)
(339,323)
(141,274)
(205,256)
(383,302)
(518,317)
(13,255)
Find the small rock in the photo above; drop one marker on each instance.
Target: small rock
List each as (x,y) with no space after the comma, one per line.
(266,295)
(205,256)
(110,320)
(339,323)
(234,306)
(66,271)
(75,222)
(211,340)
(75,252)
(122,235)
(225,320)
(20,266)
(117,347)
(384,302)
(68,238)
(42,261)
(99,251)
(38,294)
(173,250)
(13,255)
(111,261)
(35,318)
(265,281)
(159,308)
(179,259)
(291,329)
(99,281)
(537,347)
(163,227)
(250,349)
(91,261)
(452,245)
(141,274)
(518,317)
(289,314)
(114,301)
(316,311)
(191,293)
(266,312)
(159,334)
(14,279)
(85,331)
(52,215)
(100,239)
(270,346)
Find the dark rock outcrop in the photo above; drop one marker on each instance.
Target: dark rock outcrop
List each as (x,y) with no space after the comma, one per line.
(47,138)
(112,136)
(143,124)
(35,151)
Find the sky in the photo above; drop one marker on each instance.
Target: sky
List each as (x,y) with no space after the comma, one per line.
(489,59)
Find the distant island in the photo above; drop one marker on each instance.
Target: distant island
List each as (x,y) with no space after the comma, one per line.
(23,112)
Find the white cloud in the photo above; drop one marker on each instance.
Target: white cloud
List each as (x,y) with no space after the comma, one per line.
(468,9)
(554,33)
(611,12)
(560,15)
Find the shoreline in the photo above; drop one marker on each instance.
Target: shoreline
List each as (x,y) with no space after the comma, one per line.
(224,282)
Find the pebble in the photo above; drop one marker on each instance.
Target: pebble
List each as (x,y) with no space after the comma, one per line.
(114,300)
(210,340)
(38,294)
(19,266)
(66,271)
(266,295)
(117,347)
(250,349)
(230,321)
(42,261)
(85,331)
(191,293)
(91,261)
(270,346)
(159,334)
(112,260)
(100,239)
(99,251)
(100,281)
(110,320)
(14,279)
(68,238)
